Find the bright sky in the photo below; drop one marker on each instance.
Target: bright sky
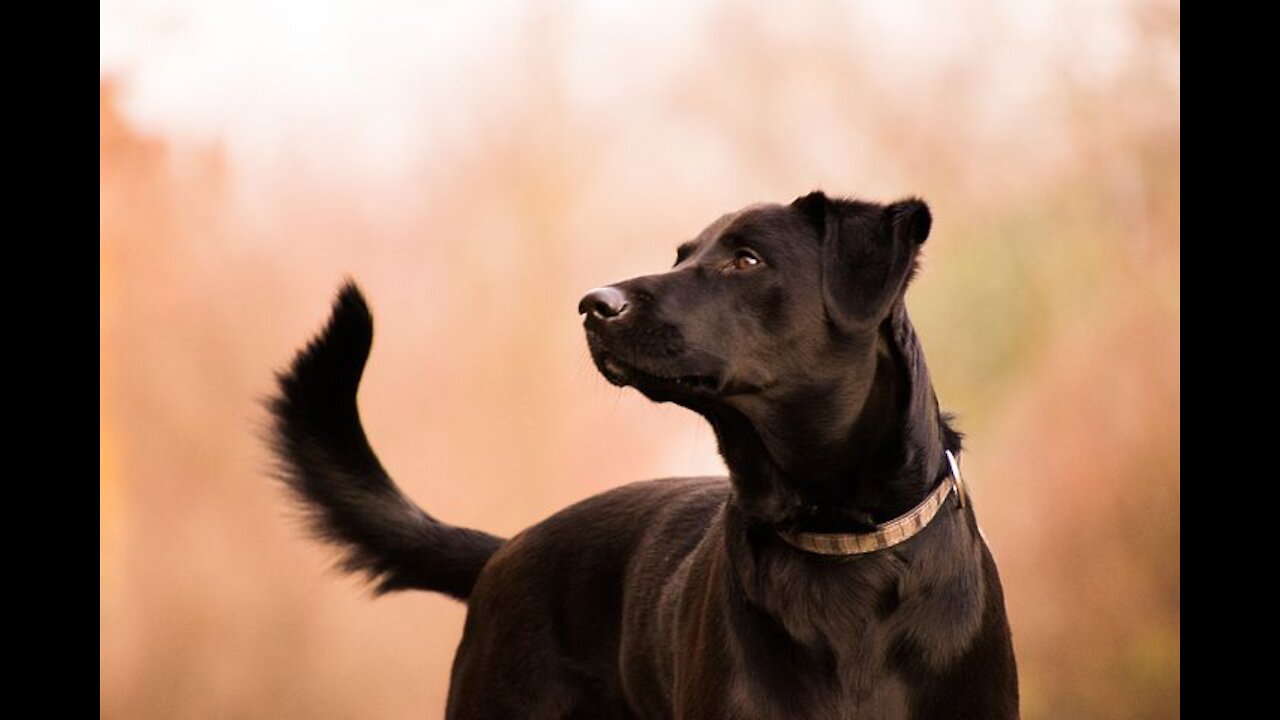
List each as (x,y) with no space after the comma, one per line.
(380,84)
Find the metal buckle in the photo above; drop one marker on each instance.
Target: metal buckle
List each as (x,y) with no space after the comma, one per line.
(962,494)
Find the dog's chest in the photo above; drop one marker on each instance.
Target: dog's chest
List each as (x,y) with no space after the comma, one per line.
(833,644)
(852,698)
(840,672)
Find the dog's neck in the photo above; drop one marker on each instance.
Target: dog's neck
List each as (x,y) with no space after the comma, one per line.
(842,458)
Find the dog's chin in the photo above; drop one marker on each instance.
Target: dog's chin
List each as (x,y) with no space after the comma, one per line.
(665,385)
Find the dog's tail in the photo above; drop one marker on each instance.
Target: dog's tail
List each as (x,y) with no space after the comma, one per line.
(349,500)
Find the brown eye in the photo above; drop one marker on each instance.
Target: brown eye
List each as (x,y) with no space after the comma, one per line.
(744,259)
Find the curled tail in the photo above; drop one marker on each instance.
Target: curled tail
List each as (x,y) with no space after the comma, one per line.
(350,501)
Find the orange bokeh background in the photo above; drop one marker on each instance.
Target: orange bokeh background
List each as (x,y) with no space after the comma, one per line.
(475,169)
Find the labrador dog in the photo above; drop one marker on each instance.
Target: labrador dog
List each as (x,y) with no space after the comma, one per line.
(837,572)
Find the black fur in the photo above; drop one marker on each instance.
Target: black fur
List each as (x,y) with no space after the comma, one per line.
(785,327)
(333,473)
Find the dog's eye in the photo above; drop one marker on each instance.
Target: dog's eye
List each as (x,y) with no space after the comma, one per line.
(744,259)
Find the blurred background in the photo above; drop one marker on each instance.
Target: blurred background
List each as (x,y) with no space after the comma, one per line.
(477,166)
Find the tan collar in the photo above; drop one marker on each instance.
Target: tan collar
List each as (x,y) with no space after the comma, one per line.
(887,534)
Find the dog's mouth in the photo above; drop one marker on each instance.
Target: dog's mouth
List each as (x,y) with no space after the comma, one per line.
(660,379)
(622,374)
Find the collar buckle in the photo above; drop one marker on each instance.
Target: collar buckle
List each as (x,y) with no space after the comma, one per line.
(962,493)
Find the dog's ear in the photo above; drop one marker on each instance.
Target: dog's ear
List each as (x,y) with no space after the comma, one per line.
(868,253)
(814,208)
(911,220)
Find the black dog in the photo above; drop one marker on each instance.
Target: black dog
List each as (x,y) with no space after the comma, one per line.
(837,572)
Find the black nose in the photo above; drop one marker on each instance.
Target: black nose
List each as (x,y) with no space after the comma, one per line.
(605,303)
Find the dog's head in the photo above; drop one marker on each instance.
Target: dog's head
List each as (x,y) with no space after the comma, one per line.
(784,326)
(764,303)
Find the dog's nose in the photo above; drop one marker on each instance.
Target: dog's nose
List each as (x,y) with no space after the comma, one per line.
(605,303)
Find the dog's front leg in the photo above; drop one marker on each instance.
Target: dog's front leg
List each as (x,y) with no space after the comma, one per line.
(704,685)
